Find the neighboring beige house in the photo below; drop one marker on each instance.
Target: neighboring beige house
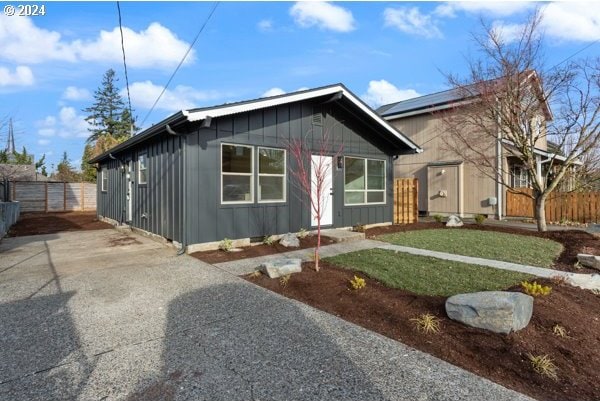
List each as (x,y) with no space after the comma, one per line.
(447,184)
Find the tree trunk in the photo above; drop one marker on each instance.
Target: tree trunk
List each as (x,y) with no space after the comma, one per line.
(318,246)
(540,213)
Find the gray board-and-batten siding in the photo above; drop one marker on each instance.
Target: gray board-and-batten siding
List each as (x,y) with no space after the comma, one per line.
(181,200)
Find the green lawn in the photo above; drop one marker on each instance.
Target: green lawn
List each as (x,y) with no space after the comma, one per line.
(483,244)
(425,275)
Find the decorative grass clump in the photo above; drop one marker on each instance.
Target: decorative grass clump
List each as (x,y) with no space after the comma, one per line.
(544,365)
(535,290)
(358,283)
(427,323)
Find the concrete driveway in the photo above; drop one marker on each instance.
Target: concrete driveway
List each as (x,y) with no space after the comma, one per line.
(104,315)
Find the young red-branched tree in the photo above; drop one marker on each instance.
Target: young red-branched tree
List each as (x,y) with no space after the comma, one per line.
(514,102)
(313,174)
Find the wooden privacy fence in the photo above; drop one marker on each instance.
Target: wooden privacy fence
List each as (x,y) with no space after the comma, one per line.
(582,207)
(37,196)
(406,209)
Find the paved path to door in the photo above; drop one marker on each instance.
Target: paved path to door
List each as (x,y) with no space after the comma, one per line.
(103,315)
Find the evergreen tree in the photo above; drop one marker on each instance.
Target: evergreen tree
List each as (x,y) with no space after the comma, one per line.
(41,164)
(88,171)
(65,171)
(108,115)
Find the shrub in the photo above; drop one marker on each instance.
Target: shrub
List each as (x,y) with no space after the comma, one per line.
(302,233)
(438,218)
(535,290)
(480,218)
(560,331)
(284,280)
(359,228)
(427,323)
(358,283)
(226,245)
(268,240)
(543,365)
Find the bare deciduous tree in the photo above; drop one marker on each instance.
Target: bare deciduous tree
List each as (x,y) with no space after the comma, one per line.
(514,100)
(313,173)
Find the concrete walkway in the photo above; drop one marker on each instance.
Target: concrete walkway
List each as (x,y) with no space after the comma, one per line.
(103,315)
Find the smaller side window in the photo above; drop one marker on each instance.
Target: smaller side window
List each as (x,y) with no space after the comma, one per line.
(104,177)
(142,169)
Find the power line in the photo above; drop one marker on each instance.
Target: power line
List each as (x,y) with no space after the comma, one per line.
(125,67)
(576,53)
(182,60)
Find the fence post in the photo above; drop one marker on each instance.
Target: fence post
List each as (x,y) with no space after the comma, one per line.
(46,196)
(64,196)
(82,197)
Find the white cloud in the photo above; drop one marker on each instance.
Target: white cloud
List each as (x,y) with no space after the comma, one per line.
(75,93)
(22,41)
(273,92)
(494,8)
(43,142)
(412,21)
(265,25)
(144,94)
(22,76)
(572,21)
(68,124)
(382,92)
(323,15)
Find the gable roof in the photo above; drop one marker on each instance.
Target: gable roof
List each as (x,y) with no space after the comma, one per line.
(336,92)
(448,98)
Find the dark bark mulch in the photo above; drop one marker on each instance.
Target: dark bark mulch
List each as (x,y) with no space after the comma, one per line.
(500,358)
(573,241)
(51,223)
(252,251)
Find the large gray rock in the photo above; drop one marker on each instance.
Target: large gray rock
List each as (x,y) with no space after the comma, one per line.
(282,267)
(497,311)
(454,221)
(290,241)
(589,260)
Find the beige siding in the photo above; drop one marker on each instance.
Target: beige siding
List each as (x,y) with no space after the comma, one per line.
(444,192)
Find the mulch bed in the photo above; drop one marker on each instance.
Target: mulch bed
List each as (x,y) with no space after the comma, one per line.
(51,223)
(252,251)
(500,358)
(573,241)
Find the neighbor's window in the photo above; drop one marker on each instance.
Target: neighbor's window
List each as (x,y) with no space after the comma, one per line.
(104,178)
(364,181)
(519,177)
(142,169)
(237,170)
(271,175)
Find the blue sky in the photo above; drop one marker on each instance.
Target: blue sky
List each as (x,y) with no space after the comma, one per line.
(382,51)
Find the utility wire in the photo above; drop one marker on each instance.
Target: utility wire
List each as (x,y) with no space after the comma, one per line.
(576,53)
(125,67)
(182,60)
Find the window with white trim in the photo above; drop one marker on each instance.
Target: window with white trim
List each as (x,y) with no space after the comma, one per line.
(142,169)
(519,176)
(364,181)
(237,173)
(271,175)
(104,179)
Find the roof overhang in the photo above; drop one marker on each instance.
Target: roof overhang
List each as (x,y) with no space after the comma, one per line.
(333,93)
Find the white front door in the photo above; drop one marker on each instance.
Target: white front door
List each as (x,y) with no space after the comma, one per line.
(129,179)
(322,167)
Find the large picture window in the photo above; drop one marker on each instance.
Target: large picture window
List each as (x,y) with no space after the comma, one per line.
(364,181)
(271,175)
(237,170)
(104,178)
(142,169)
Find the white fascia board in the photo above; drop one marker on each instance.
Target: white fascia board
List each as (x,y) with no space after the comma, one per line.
(296,97)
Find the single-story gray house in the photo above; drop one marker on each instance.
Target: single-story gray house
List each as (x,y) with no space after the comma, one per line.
(206,174)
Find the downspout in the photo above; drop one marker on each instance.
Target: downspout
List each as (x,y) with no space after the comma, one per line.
(182,145)
(499,168)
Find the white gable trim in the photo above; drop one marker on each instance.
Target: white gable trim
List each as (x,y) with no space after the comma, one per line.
(296,97)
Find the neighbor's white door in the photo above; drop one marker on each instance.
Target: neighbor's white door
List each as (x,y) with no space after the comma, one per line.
(129,178)
(325,165)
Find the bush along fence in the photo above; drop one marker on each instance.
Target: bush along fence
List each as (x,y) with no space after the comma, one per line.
(581,207)
(36,196)
(9,214)
(406,191)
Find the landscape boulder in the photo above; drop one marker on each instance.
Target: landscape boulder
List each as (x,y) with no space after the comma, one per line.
(290,241)
(590,261)
(454,221)
(497,311)
(282,267)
